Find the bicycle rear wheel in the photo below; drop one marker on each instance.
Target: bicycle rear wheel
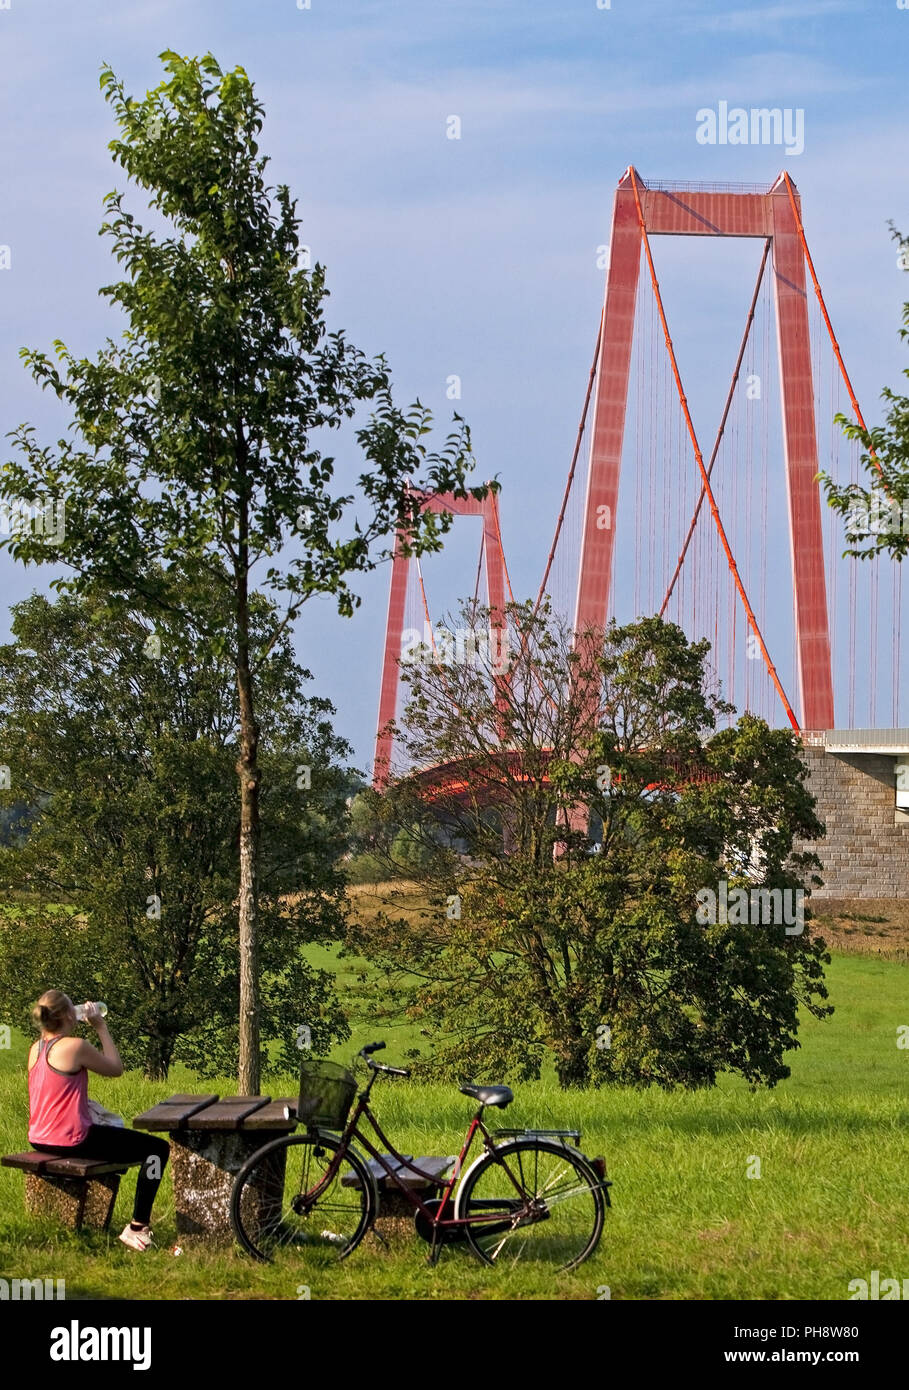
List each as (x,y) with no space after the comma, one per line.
(283,1198)
(534,1199)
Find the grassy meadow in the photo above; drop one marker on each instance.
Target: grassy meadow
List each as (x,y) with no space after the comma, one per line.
(830,1205)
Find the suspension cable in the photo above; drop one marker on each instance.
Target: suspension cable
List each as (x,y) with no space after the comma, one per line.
(720,431)
(571,471)
(820,299)
(495,517)
(476,587)
(432,635)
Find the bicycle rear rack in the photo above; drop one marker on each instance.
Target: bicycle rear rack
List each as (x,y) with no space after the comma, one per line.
(572,1135)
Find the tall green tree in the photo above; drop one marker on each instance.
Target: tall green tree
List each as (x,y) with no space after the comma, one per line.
(200,435)
(125,888)
(569,840)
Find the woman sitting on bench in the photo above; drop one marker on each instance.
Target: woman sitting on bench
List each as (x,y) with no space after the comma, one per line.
(60,1121)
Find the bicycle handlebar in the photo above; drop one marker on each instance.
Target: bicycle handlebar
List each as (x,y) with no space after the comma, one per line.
(366,1054)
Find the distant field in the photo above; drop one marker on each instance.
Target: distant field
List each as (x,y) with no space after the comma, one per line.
(831,1205)
(878,927)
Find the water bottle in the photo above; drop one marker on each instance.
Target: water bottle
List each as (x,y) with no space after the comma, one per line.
(80,1011)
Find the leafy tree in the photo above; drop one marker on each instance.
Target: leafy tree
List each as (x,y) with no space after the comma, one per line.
(200,435)
(877,516)
(539,941)
(379,851)
(125,889)
(14,823)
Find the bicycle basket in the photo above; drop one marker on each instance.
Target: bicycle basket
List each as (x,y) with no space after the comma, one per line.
(326,1094)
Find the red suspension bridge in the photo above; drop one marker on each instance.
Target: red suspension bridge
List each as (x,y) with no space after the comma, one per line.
(687,535)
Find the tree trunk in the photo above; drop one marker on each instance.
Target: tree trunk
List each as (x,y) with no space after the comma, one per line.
(158,1056)
(573,1061)
(248,1077)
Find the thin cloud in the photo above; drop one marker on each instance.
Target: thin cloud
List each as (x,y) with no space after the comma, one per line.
(749,21)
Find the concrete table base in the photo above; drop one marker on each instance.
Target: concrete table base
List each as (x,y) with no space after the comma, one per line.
(204,1167)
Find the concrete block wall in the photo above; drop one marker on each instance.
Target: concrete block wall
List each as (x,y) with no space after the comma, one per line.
(865,853)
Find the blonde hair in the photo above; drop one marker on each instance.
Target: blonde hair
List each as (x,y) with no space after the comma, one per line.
(52,1009)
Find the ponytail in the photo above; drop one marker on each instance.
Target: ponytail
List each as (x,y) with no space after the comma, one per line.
(51,1010)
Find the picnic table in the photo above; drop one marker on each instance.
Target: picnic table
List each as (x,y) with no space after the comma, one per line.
(211,1138)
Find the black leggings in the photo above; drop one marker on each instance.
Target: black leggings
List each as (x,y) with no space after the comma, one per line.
(114,1143)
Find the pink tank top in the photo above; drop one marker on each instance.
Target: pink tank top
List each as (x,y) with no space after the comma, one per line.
(57,1102)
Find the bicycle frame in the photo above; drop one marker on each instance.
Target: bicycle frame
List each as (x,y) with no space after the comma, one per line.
(436,1217)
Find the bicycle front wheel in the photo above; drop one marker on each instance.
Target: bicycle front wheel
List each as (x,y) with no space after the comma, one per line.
(286,1197)
(533,1199)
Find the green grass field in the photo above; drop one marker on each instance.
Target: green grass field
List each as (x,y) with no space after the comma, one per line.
(687,1223)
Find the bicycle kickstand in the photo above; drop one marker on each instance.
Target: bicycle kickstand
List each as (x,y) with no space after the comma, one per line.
(435,1250)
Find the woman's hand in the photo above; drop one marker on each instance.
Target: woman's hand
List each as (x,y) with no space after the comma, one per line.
(107,1062)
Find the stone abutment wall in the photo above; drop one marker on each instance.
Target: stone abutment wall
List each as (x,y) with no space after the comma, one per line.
(865,853)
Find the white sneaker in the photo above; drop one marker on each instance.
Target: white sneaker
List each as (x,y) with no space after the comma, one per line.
(137,1240)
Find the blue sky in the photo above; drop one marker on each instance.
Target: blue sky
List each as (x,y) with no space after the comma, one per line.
(475,257)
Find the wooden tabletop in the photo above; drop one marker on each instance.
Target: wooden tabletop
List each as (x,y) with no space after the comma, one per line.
(226,1113)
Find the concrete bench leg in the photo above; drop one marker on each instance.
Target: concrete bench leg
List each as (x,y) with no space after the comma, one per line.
(75,1202)
(396,1216)
(204,1165)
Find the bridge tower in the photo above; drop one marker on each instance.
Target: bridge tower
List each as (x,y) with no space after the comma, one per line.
(663,209)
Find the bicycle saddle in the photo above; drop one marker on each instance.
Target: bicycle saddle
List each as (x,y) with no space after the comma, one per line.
(490,1095)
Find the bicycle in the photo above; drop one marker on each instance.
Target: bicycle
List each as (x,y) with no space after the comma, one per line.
(527,1193)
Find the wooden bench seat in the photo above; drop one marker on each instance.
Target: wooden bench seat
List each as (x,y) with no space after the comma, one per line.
(395,1219)
(78,1191)
(437,1168)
